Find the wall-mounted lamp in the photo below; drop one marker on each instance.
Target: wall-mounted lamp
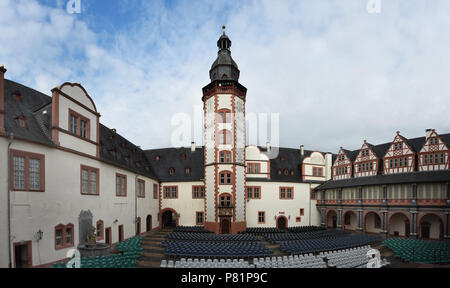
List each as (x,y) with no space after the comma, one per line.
(275,217)
(289,217)
(115,221)
(39,235)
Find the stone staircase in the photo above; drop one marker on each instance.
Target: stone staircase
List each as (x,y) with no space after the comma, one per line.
(274,247)
(153,250)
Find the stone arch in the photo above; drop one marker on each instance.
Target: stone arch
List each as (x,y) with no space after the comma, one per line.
(165,212)
(331,220)
(435,228)
(282,221)
(369,223)
(395,224)
(352,220)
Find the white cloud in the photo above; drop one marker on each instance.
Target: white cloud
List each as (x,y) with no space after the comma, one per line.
(335,73)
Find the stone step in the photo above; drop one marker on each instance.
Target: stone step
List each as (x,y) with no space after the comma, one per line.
(148,264)
(153,254)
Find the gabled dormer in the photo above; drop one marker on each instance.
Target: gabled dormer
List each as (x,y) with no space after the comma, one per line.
(399,157)
(434,154)
(342,167)
(314,167)
(257,163)
(366,162)
(75,121)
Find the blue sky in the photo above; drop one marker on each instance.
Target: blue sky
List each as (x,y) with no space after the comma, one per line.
(335,73)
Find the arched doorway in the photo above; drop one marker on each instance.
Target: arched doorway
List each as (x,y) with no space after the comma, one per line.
(169,218)
(282,222)
(350,221)
(431,227)
(332,219)
(225,225)
(372,223)
(148,223)
(399,225)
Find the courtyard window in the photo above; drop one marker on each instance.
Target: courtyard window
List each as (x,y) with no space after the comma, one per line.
(28,171)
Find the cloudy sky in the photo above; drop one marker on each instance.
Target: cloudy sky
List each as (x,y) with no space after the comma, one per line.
(333,72)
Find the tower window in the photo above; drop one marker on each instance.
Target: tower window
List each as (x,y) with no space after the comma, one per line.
(225,157)
(225,137)
(224,116)
(225,178)
(225,200)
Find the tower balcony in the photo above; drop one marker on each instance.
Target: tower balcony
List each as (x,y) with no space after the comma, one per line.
(224,87)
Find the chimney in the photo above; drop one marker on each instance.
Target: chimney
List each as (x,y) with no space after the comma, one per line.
(268,147)
(428,133)
(302,150)
(2,98)
(192,146)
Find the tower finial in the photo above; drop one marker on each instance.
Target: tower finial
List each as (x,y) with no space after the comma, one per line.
(223,28)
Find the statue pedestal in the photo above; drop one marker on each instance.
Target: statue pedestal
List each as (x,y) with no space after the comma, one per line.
(98,249)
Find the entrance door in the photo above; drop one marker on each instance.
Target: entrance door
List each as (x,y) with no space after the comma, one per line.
(425,230)
(168,219)
(334,222)
(149,223)
(120,233)
(407,227)
(22,255)
(108,235)
(281,223)
(225,225)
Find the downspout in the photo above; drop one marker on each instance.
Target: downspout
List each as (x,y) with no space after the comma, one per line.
(135,204)
(310,204)
(10,140)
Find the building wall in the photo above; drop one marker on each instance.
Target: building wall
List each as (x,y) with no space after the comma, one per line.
(3,204)
(62,202)
(274,207)
(184,205)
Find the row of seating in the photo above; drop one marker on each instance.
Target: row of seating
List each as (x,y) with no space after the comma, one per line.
(327,244)
(419,251)
(192,229)
(348,258)
(297,229)
(206,263)
(291,261)
(314,234)
(215,249)
(129,252)
(206,237)
(262,230)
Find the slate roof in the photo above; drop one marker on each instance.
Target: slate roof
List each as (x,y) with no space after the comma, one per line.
(32,103)
(413,177)
(172,158)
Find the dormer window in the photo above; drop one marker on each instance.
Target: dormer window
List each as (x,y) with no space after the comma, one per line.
(183,156)
(157,157)
(279,171)
(79,125)
(282,158)
(22,121)
(171,171)
(286,172)
(292,172)
(17,95)
(187,171)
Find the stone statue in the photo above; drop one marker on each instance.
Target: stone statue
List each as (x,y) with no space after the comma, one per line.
(92,236)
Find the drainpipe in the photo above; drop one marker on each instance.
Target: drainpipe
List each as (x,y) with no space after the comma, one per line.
(135,204)
(10,140)
(310,203)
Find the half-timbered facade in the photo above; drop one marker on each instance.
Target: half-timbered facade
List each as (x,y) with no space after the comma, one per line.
(366,162)
(400,156)
(343,165)
(401,200)
(434,155)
